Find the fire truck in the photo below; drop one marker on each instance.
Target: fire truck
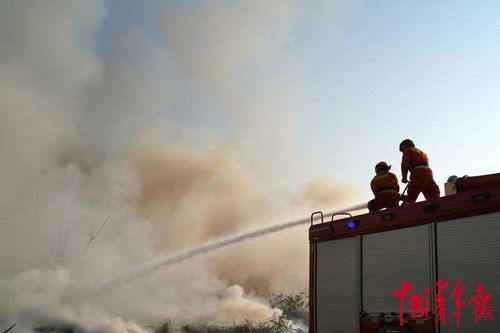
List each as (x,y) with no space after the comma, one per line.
(428,267)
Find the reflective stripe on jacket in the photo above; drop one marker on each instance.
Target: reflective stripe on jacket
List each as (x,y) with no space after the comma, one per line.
(388,190)
(413,158)
(421,166)
(385,183)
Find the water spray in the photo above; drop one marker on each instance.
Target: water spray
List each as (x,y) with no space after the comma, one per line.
(214,245)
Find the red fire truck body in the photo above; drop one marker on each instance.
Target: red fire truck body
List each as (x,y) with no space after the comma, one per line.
(358,263)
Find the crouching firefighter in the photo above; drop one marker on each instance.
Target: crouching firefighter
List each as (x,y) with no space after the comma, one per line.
(385,188)
(416,162)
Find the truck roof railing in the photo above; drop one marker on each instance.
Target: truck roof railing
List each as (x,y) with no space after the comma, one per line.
(315,213)
(322,216)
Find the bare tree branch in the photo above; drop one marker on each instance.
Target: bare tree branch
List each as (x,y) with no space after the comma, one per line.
(9,328)
(93,236)
(59,250)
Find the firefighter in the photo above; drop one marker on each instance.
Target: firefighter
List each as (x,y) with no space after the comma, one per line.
(385,188)
(416,162)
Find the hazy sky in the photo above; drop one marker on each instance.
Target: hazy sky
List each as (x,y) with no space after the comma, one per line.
(389,70)
(372,73)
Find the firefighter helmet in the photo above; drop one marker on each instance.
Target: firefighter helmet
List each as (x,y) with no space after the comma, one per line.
(405,144)
(382,166)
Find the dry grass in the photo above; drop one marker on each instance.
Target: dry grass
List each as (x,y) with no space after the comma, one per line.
(278,324)
(294,306)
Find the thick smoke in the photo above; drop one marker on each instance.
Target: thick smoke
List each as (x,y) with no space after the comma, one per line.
(105,170)
(325,191)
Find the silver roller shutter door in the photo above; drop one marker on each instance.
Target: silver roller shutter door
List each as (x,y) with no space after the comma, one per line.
(336,272)
(389,258)
(468,249)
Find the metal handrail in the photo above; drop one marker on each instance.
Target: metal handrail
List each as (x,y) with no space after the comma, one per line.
(312,216)
(333,215)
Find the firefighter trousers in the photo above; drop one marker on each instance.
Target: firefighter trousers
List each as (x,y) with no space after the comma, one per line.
(384,200)
(422,181)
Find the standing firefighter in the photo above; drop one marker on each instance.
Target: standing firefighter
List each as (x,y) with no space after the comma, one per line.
(385,187)
(421,179)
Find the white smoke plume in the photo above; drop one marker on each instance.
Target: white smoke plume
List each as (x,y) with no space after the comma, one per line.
(119,151)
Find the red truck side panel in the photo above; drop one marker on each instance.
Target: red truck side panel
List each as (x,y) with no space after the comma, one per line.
(475,202)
